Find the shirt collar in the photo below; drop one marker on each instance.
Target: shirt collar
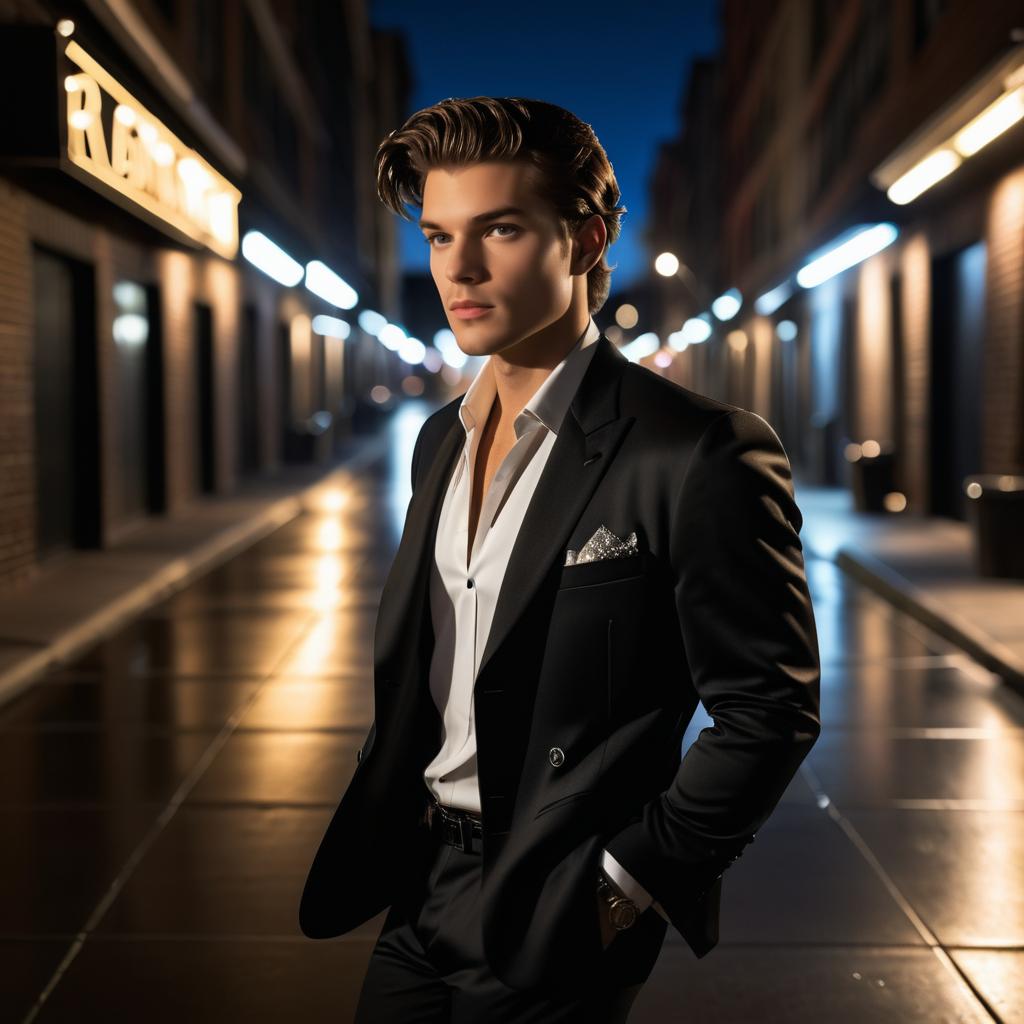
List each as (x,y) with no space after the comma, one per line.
(548,403)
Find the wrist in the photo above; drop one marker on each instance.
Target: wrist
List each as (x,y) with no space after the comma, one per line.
(622,911)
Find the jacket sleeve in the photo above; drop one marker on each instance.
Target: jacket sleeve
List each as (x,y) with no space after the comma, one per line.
(748,629)
(622,880)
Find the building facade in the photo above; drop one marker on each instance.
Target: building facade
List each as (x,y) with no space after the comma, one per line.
(918,347)
(144,363)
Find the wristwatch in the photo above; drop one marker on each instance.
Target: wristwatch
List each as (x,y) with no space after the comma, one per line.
(622,911)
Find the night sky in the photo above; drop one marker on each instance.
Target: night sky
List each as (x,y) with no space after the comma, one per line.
(621,67)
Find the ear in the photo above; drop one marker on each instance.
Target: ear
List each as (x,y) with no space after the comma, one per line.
(588,244)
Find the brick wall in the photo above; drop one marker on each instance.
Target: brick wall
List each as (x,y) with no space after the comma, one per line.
(916,281)
(1003,367)
(17,483)
(873,360)
(182,279)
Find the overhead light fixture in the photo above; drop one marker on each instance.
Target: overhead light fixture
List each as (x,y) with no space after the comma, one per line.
(371,321)
(667,264)
(269,257)
(770,301)
(627,316)
(727,305)
(639,347)
(991,123)
(325,283)
(856,246)
(331,326)
(411,351)
(930,171)
(696,329)
(391,336)
(737,341)
(987,107)
(786,330)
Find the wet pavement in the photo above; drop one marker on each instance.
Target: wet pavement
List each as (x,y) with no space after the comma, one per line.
(161,799)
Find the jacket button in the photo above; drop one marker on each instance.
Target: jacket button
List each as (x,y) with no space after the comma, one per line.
(359,755)
(556,756)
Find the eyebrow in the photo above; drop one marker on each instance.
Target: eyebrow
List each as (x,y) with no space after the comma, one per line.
(505,211)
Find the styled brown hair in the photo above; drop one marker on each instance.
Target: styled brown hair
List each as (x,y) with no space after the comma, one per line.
(574,173)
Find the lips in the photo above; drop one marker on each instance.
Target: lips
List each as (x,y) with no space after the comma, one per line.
(470,312)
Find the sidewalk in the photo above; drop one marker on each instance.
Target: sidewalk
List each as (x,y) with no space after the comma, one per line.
(925,568)
(86,595)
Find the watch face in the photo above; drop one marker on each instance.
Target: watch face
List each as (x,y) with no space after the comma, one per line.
(623,914)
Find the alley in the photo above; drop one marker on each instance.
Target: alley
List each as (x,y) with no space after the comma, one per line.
(161,798)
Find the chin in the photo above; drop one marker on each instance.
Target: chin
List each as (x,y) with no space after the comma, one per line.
(475,343)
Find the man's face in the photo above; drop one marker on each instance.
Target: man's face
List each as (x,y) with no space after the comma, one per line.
(515,263)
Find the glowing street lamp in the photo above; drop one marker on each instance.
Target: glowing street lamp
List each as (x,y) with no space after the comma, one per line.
(727,305)
(696,330)
(269,257)
(859,246)
(921,177)
(327,285)
(667,264)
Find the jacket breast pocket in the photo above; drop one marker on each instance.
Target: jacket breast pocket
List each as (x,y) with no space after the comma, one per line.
(605,570)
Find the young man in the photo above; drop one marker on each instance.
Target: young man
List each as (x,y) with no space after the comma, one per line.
(588,551)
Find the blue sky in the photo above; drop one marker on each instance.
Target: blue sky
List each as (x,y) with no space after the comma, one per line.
(621,67)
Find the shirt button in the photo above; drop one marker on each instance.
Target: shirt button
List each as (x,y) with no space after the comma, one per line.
(469,584)
(556,756)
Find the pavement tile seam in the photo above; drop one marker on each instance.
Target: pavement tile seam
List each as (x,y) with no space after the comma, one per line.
(904,904)
(959,631)
(917,921)
(966,983)
(282,677)
(179,796)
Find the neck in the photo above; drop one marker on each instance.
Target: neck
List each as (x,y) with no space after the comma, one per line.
(522,368)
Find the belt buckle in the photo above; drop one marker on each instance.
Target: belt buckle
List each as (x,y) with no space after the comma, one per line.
(459,830)
(465,835)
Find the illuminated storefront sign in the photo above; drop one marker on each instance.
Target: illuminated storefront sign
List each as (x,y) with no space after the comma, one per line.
(115,140)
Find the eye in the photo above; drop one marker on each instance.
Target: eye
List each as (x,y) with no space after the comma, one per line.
(429,240)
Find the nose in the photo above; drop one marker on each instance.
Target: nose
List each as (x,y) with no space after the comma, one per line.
(464,262)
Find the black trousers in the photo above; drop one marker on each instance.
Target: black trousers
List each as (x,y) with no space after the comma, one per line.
(428,964)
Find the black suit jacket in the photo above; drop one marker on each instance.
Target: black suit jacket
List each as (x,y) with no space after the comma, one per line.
(605,660)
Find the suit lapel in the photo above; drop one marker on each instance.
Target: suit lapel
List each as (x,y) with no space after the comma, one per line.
(586,443)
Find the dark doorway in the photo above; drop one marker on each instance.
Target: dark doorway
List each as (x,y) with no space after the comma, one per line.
(248,393)
(958,318)
(319,368)
(204,369)
(65,397)
(156,448)
(138,372)
(848,418)
(899,370)
(284,384)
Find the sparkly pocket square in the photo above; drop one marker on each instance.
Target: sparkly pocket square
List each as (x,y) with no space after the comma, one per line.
(603,544)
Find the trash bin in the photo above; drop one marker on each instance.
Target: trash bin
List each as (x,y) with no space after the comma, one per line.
(996,513)
(873,469)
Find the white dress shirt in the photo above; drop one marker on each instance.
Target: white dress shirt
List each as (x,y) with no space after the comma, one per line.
(463,593)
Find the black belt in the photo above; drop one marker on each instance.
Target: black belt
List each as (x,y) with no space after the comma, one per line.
(456,828)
